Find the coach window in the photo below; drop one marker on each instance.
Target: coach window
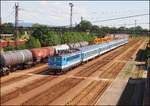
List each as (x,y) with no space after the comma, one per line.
(73,57)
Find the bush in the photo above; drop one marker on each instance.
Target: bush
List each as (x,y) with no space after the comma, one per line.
(20,47)
(52,38)
(33,43)
(147,52)
(55,38)
(73,37)
(9,48)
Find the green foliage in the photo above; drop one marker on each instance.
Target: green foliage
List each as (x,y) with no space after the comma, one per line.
(33,43)
(147,52)
(69,37)
(21,47)
(55,38)
(18,37)
(52,38)
(39,30)
(73,37)
(88,37)
(7,28)
(95,29)
(42,36)
(84,25)
(9,48)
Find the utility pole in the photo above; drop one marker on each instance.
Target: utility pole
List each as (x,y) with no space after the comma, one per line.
(81,18)
(71,6)
(135,27)
(0,25)
(16,18)
(135,23)
(124,28)
(0,21)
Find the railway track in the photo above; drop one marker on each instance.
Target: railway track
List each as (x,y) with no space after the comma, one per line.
(34,71)
(90,94)
(87,71)
(115,68)
(59,89)
(48,96)
(23,74)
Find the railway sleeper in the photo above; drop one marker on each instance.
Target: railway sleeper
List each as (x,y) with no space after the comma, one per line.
(65,70)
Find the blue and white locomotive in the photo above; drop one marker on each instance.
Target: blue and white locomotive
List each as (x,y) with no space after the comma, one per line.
(73,58)
(65,60)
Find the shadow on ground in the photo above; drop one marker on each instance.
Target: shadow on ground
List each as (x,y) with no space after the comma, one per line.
(133,93)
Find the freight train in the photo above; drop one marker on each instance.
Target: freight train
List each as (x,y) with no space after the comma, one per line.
(4,43)
(22,59)
(64,61)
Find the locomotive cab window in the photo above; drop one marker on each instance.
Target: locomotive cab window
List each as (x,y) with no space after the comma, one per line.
(73,57)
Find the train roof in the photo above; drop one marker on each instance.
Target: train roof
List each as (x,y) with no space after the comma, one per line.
(61,47)
(98,45)
(67,52)
(88,47)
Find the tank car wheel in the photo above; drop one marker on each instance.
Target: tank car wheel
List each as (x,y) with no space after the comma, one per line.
(7,73)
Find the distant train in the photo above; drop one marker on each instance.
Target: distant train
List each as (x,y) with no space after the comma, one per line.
(71,58)
(102,40)
(22,59)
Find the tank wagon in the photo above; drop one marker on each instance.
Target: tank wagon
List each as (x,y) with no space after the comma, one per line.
(22,59)
(3,43)
(39,54)
(12,60)
(78,45)
(60,63)
(60,48)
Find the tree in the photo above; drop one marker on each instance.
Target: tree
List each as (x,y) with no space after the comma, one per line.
(95,28)
(113,30)
(9,48)
(7,28)
(33,43)
(21,47)
(39,32)
(84,25)
(52,38)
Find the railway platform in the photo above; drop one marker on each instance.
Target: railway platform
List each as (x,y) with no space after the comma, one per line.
(112,94)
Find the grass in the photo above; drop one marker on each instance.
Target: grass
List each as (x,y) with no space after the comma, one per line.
(128,70)
(140,37)
(137,74)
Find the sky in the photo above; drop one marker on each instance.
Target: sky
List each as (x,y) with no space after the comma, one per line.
(57,13)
